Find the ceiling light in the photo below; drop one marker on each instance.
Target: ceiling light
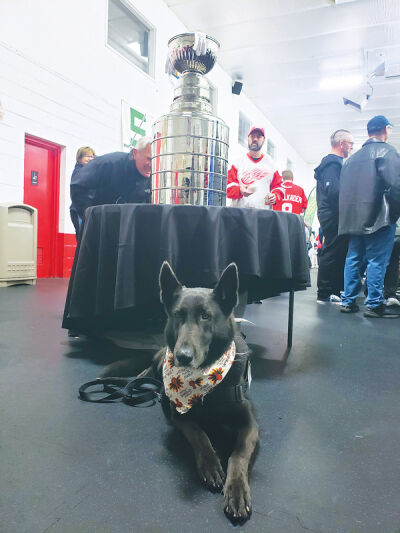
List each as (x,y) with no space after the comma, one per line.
(340,82)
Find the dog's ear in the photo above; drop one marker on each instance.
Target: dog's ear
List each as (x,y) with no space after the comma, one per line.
(227,287)
(169,284)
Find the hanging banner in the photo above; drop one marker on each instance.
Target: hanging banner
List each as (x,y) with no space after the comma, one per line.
(135,124)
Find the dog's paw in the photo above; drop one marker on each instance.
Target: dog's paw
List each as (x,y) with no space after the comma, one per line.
(212,474)
(237,502)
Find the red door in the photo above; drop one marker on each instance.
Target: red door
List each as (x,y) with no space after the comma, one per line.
(41,186)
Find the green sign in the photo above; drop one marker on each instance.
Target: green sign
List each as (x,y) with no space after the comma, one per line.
(137,120)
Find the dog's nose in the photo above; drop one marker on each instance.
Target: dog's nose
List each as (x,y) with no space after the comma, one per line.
(184,356)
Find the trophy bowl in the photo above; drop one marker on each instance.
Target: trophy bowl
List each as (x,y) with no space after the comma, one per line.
(184,58)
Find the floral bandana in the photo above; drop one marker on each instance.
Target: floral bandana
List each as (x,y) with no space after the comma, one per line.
(185,386)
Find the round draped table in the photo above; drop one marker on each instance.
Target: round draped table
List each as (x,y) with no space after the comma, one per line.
(114,280)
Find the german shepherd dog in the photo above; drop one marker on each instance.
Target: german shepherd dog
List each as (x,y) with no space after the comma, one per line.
(200,328)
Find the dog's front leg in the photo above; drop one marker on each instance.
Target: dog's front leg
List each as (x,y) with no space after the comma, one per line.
(237,503)
(207,461)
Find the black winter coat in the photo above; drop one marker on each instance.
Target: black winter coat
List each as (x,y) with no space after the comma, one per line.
(74,175)
(327,175)
(369,189)
(109,179)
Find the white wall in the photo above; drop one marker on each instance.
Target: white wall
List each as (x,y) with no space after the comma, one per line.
(61,82)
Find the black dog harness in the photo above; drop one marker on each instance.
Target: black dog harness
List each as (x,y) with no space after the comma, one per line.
(146,391)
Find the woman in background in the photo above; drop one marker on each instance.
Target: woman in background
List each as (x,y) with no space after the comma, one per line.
(84,155)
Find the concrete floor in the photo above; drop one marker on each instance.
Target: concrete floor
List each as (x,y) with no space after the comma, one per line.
(329,427)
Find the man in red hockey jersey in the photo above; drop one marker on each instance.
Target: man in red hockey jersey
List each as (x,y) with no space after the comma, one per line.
(294,199)
(253,177)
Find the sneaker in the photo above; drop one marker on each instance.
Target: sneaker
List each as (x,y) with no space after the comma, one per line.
(382,311)
(332,299)
(392,301)
(349,308)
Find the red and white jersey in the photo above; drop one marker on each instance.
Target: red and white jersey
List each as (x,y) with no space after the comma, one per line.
(294,199)
(258,176)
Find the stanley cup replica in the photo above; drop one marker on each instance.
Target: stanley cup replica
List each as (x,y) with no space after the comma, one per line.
(190,145)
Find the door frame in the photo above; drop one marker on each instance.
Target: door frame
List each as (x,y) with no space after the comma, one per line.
(55,200)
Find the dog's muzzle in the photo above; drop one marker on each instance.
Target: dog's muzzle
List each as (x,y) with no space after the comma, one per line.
(184,356)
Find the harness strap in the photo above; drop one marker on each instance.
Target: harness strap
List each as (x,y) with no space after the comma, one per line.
(232,393)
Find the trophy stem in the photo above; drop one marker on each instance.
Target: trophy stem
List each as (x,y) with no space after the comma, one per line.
(193,93)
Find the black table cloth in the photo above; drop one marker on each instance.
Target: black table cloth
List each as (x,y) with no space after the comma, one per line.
(114,281)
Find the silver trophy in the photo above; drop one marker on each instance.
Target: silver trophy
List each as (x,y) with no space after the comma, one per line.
(190,145)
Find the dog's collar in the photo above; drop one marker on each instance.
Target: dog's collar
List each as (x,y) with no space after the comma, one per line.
(186,387)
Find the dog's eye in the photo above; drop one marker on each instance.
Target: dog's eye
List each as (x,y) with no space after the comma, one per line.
(205,316)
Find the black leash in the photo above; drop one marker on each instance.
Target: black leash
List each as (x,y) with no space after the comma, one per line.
(132,391)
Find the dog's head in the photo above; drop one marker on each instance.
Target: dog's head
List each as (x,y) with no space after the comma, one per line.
(200,324)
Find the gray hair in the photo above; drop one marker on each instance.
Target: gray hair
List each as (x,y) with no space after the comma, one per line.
(287,175)
(142,143)
(339,135)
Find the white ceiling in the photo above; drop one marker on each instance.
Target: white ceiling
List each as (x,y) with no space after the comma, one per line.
(282,49)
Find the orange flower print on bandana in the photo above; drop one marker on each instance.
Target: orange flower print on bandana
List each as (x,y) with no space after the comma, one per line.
(198,382)
(177,403)
(176,383)
(216,375)
(185,386)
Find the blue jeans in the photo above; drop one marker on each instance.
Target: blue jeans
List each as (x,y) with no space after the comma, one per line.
(375,249)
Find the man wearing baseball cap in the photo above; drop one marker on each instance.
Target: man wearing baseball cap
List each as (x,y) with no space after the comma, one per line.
(369,206)
(253,176)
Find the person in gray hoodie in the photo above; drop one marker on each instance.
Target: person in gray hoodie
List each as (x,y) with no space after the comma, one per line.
(334,248)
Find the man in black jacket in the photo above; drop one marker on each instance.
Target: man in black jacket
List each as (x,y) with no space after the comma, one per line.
(369,205)
(116,178)
(334,248)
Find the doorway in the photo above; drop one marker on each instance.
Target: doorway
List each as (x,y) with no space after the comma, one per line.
(41,190)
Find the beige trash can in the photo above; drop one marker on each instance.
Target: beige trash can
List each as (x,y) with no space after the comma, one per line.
(18,243)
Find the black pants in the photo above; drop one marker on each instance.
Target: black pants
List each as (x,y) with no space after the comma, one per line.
(76,221)
(332,257)
(392,271)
